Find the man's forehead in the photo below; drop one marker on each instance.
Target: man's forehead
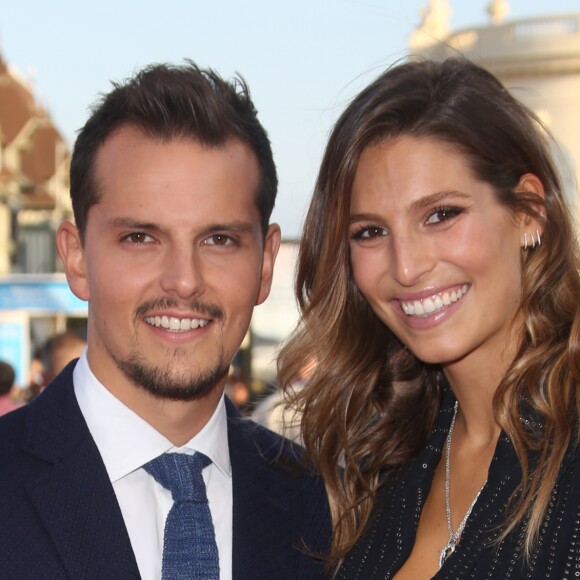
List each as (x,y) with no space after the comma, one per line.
(127,134)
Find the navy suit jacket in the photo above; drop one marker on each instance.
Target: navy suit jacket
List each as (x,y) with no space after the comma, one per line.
(59,516)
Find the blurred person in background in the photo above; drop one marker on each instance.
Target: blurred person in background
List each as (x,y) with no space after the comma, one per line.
(58,351)
(274,412)
(7,378)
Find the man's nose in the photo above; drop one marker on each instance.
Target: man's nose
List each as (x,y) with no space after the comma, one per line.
(183,273)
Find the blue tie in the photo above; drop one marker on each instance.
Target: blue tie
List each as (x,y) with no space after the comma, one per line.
(189,546)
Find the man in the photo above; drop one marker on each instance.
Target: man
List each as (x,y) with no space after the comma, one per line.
(172,184)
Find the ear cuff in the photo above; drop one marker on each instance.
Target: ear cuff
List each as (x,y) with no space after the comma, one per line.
(530,242)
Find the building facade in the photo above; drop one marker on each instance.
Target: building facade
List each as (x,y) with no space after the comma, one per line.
(537,59)
(34,192)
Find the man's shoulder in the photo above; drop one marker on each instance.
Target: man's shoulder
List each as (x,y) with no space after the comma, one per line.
(18,465)
(12,429)
(258,453)
(40,432)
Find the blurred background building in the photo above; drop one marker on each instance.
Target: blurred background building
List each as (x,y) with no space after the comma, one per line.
(33,179)
(538,59)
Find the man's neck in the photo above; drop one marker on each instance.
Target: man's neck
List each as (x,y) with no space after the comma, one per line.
(178,421)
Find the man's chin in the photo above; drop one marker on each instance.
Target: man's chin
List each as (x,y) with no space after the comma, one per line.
(171,384)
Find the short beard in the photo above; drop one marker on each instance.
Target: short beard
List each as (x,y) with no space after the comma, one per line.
(165,383)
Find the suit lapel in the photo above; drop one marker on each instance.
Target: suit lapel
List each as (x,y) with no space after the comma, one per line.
(74,497)
(265,504)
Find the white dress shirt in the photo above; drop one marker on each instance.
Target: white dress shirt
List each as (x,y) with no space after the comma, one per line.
(126,443)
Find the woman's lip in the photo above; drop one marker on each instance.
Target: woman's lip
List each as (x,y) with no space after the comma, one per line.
(426,321)
(433,303)
(429,292)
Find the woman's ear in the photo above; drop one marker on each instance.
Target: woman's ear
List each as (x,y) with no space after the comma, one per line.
(532,227)
(71,251)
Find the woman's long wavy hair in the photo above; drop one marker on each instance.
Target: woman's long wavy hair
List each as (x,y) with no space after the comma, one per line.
(370,403)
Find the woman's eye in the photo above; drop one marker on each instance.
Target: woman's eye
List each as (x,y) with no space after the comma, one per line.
(442,214)
(369,233)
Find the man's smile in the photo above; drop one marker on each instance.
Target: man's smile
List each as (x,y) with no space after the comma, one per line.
(175,324)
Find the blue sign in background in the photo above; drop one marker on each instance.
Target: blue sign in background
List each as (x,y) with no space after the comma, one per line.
(12,339)
(33,294)
(46,295)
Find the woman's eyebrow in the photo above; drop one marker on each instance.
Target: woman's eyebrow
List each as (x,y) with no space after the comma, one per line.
(437,197)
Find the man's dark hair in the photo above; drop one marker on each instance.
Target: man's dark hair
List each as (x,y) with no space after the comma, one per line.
(169,102)
(7,377)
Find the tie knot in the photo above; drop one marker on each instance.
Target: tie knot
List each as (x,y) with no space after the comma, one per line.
(181,475)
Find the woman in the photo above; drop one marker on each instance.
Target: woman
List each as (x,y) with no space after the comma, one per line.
(439,283)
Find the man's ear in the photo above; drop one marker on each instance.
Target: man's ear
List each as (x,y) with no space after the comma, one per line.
(71,251)
(271,247)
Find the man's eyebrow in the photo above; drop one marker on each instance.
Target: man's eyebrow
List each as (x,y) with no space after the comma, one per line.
(437,197)
(236,226)
(131,224)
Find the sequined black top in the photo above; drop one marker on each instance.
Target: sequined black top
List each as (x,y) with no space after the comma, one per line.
(390,536)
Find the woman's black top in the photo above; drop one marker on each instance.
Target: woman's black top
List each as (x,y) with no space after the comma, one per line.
(390,535)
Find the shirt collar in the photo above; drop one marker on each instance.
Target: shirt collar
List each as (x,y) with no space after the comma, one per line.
(126,442)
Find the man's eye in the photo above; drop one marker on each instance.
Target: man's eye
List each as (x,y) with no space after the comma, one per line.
(442,214)
(138,238)
(219,240)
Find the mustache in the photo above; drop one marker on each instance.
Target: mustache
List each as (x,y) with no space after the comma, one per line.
(209,310)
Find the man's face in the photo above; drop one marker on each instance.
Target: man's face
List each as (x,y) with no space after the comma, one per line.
(172,264)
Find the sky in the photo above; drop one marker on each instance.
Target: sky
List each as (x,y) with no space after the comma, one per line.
(303,60)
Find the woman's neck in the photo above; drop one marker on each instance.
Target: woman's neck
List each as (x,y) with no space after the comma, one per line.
(474,382)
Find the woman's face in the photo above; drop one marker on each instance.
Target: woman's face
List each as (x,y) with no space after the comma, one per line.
(433,252)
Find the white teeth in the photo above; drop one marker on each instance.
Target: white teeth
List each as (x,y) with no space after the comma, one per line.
(433,303)
(174,324)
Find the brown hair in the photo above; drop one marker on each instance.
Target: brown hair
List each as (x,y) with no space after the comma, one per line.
(359,426)
(7,377)
(173,102)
